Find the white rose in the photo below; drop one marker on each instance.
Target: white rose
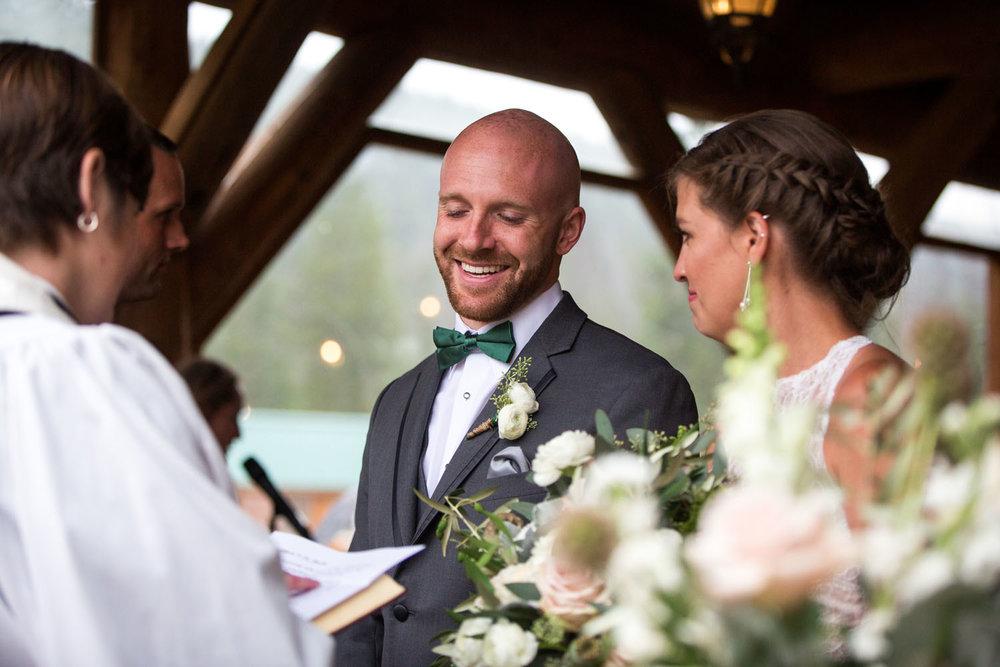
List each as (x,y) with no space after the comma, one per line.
(887,549)
(570,449)
(947,491)
(618,476)
(521,394)
(467,649)
(517,573)
(980,559)
(643,566)
(868,641)
(507,645)
(741,553)
(637,636)
(931,572)
(512,421)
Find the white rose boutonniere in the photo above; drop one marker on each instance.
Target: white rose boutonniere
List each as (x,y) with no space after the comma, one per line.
(512,420)
(515,403)
(523,396)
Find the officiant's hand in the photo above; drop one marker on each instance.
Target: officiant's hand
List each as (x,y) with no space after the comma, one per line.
(296,585)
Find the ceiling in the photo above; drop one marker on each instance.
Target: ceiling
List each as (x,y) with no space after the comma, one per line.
(917,83)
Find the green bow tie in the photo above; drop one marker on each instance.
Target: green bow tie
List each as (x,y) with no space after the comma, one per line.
(453,346)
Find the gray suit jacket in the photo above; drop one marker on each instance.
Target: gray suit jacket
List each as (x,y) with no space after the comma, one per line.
(577,367)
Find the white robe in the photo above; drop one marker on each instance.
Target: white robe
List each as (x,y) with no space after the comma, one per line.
(120,540)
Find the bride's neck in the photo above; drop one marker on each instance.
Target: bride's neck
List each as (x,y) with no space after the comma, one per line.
(807,322)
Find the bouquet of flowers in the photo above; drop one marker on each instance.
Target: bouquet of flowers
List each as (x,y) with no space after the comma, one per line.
(646,552)
(540,570)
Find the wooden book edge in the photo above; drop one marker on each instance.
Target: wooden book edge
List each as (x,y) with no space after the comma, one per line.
(383,590)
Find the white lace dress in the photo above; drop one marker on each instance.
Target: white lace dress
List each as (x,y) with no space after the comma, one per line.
(817,385)
(842,598)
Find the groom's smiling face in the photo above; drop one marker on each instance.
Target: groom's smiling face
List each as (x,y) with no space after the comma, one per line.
(502,223)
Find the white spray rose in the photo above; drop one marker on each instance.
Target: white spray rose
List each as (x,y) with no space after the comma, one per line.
(617,476)
(930,573)
(507,645)
(643,566)
(868,641)
(467,649)
(512,421)
(570,449)
(521,394)
(980,559)
(886,549)
(947,491)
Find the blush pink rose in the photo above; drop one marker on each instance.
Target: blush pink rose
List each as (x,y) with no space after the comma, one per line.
(768,546)
(569,592)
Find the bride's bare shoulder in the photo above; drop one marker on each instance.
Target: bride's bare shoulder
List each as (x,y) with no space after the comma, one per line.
(870,362)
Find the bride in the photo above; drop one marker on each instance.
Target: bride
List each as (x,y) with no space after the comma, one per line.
(782,193)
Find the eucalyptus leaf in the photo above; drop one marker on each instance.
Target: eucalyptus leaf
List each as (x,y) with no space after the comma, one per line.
(525,591)
(522,508)
(604,428)
(703,442)
(433,503)
(485,493)
(679,485)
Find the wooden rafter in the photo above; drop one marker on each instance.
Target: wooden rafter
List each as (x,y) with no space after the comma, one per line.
(992,380)
(637,117)
(250,218)
(840,55)
(219,105)
(143,46)
(938,148)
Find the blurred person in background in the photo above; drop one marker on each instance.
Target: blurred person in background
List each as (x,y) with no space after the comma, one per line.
(216,391)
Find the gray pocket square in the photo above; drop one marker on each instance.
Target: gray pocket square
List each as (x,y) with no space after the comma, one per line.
(508,461)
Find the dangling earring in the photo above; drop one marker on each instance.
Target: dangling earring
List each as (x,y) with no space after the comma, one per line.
(745,303)
(87,222)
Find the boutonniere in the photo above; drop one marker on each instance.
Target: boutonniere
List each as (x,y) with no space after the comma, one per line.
(515,403)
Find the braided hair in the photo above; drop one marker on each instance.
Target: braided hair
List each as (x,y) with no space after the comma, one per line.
(806,177)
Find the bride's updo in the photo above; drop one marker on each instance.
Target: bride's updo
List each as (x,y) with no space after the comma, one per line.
(807,178)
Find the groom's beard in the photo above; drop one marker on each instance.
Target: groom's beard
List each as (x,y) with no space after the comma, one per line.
(493,302)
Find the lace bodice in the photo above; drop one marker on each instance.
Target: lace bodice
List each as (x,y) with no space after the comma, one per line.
(817,385)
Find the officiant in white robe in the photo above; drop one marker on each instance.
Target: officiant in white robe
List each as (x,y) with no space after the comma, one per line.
(120,539)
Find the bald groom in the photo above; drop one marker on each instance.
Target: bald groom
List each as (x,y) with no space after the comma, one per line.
(508,211)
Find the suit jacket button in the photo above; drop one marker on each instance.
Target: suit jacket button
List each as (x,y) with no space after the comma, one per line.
(400,612)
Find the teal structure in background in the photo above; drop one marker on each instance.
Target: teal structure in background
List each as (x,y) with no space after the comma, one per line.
(301,450)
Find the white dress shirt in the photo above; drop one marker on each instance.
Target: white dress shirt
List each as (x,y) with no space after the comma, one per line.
(469,384)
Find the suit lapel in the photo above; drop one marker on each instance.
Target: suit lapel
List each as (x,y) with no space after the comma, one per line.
(554,336)
(411,436)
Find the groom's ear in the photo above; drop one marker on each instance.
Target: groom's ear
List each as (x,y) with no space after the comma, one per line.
(758,235)
(570,229)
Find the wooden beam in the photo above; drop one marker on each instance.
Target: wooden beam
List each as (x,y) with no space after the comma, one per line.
(261,206)
(992,374)
(143,46)
(890,46)
(220,103)
(638,119)
(938,148)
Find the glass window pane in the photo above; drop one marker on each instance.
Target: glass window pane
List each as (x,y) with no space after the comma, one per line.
(437,99)
(966,214)
(54,23)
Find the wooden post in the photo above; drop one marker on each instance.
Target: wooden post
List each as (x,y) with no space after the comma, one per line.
(992,374)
